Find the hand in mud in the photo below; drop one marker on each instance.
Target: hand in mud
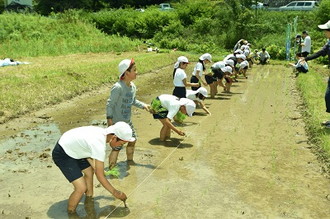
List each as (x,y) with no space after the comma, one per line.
(120,195)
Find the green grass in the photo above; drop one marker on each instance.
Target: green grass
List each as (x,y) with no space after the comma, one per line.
(312,87)
(26,35)
(50,80)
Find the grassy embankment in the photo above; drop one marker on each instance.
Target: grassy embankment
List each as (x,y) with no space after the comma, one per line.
(50,80)
(312,87)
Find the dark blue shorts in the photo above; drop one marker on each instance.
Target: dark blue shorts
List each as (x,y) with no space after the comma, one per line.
(210,79)
(194,79)
(179,92)
(217,73)
(70,167)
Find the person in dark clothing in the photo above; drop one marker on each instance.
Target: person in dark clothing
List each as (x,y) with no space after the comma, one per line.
(323,52)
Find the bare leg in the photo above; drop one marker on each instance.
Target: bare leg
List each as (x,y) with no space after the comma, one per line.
(113,159)
(79,190)
(220,83)
(130,150)
(165,132)
(89,207)
(212,90)
(88,176)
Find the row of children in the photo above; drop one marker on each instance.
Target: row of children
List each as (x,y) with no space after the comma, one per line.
(81,152)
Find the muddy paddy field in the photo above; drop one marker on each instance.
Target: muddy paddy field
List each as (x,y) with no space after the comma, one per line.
(249,159)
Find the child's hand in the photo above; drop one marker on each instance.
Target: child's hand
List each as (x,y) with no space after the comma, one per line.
(148,108)
(181,133)
(120,195)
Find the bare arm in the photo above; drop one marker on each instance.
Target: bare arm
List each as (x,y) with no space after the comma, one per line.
(204,108)
(99,172)
(169,124)
(188,84)
(200,79)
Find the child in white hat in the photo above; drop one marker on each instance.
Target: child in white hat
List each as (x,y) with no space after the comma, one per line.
(81,152)
(198,96)
(122,98)
(220,70)
(166,107)
(200,69)
(180,78)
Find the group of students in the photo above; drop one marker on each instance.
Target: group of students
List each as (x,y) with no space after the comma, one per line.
(81,152)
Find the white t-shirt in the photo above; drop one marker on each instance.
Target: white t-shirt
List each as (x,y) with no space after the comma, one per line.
(246,52)
(178,77)
(198,67)
(171,103)
(85,142)
(264,55)
(243,64)
(301,64)
(219,65)
(308,45)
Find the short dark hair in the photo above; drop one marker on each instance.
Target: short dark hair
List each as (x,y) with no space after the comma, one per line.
(305,32)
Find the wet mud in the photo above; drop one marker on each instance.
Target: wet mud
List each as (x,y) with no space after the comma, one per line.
(250,159)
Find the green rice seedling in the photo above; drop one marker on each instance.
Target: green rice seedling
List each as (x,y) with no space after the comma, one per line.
(112,172)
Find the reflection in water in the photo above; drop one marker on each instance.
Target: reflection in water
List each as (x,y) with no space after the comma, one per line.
(113,211)
(91,210)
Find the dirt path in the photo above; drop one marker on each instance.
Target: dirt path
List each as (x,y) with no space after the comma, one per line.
(250,159)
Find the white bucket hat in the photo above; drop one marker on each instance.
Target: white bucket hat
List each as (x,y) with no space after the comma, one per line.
(241,56)
(189,104)
(230,62)
(181,59)
(325,26)
(206,56)
(122,130)
(124,65)
(202,90)
(227,69)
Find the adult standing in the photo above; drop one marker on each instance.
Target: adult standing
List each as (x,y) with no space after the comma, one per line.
(119,105)
(323,52)
(306,45)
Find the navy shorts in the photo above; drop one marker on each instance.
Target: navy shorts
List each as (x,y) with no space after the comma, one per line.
(302,69)
(194,79)
(70,167)
(217,73)
(179,92)
(210,79)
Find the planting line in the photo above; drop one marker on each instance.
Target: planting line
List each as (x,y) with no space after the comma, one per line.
(152,171)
